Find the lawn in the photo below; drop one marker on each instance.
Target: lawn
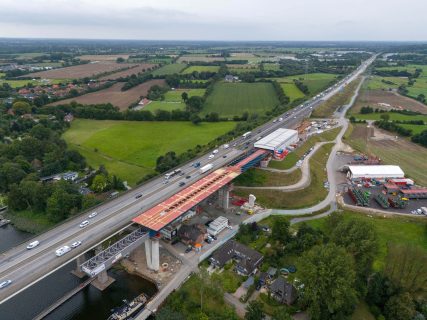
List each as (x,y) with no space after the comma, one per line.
(292,158)
(396,229)
(192,69)
(409,156)
(231,99)
(259,178)
(129,149)
(169,69)
(307,197)
(173,100)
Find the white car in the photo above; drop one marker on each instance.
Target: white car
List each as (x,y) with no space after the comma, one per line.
(63,250)
(226,146)
(76,244)
(84,224)
(280,119)
(93,215)
(275,120)
(215,151)
(5,283)
(211,156)
(33,244)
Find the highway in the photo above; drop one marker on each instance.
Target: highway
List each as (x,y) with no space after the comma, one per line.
(26,267)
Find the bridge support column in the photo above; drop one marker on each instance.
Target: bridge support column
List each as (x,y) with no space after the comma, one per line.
(78,272)
(224,197)
(152,254)
(102,281)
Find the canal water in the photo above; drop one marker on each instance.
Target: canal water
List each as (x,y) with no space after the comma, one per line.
(88,304)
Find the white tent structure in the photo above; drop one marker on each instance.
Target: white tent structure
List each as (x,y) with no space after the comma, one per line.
(375,172)
(279,139)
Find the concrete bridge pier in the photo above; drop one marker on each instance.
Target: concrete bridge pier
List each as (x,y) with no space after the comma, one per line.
(224,197)
(152,254)
(102,281)
(78,271)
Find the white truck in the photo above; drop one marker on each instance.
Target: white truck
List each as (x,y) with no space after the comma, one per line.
(206,168)
(63,250)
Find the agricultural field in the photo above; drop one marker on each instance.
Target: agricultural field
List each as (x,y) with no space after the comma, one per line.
(199,57)
(233,99)
(316,82)
(80,71)
(392,115)
(103,57)
(22,83)
(114,95)
(242,68)
(173,100)
(409,156)
(290,89)
(169,69)
(385,100)
(271,67)
(129,149)
(380,83)
(396,229)
(141,68)
(192,69)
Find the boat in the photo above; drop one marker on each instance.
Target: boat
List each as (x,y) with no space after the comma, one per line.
(129,309)
(4,222)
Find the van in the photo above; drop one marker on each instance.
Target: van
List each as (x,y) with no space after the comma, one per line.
(33,245)
(63,250)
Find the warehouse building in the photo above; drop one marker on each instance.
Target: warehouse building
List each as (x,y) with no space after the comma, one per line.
(375,172)
(278,141)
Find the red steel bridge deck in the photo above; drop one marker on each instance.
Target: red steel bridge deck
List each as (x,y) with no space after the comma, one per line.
(167,211)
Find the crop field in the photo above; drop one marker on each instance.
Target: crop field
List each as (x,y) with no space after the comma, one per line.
(192,69)
(114,95)
(22,83)
(103,57)
(169,69)
(173,100)
(199,57)
(230,99)
(409,156)
(377,99)
(271,66)
(141,68)
(316,82)
(379,83)
(129,149)
(242,68)
(79,71)
(291,90)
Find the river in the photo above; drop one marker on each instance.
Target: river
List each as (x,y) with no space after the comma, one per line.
(89,303)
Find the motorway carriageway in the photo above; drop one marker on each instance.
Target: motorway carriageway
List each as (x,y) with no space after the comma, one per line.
(25,267)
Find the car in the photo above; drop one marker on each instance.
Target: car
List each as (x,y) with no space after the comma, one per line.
(33,244)
(211,156)
(275,120)
(182,173)
(215,151)
(189,249)
(139,195)
(93,215)
(234,144)
(182,183)
(280,119)
(166,181)
(188,177)
(229,227)
(224,156)
(76,244)
(5,283)
(84,224)
(63,250)
(213,237)
(208,240)
(226,146)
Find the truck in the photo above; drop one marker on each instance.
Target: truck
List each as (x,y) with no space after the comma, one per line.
(424,210)
(206,168)
(247,134)
(63,250)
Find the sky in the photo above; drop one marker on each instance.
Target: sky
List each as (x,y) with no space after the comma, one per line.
(269,20)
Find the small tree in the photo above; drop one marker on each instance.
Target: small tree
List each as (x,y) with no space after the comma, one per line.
(254,311)
(195,119)
(385,117)
(184,96)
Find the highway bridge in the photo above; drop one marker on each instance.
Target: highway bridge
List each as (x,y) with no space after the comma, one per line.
(26,267)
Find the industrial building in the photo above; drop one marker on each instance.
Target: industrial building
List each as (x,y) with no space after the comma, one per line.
(216,226)
(278,141)
(375,172)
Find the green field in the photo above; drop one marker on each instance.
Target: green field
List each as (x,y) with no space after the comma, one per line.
(377,83)
(260,178)
(192,69)
(2,74)
(271,67)
(393,116)
(129,149)
(416,129)
(401,230)
(307,197)
(173,100)
(169,69)
(315,82)
(242,68)
(22,83)
(292,91)
(230,99)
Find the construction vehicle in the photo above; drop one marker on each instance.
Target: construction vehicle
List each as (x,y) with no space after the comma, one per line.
(382,200)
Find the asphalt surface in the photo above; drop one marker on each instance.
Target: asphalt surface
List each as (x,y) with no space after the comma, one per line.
(25,267)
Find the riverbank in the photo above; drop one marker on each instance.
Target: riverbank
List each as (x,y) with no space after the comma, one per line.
(29,221)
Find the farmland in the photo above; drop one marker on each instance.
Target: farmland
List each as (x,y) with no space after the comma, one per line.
(392,115)
(173,100)
(169,69)
(315,82)
(192,69)
(409,156)
(103,57)
(79,71)
(125,73)
(230,99)
(129,149)
(114,95)
(22,83)
(199,57)
(384,83)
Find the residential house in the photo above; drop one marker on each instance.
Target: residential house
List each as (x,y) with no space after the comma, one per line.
(248,260)
(70,176)
(283,291)
(231,78)
(193,235)
(68,117)
(271,273)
